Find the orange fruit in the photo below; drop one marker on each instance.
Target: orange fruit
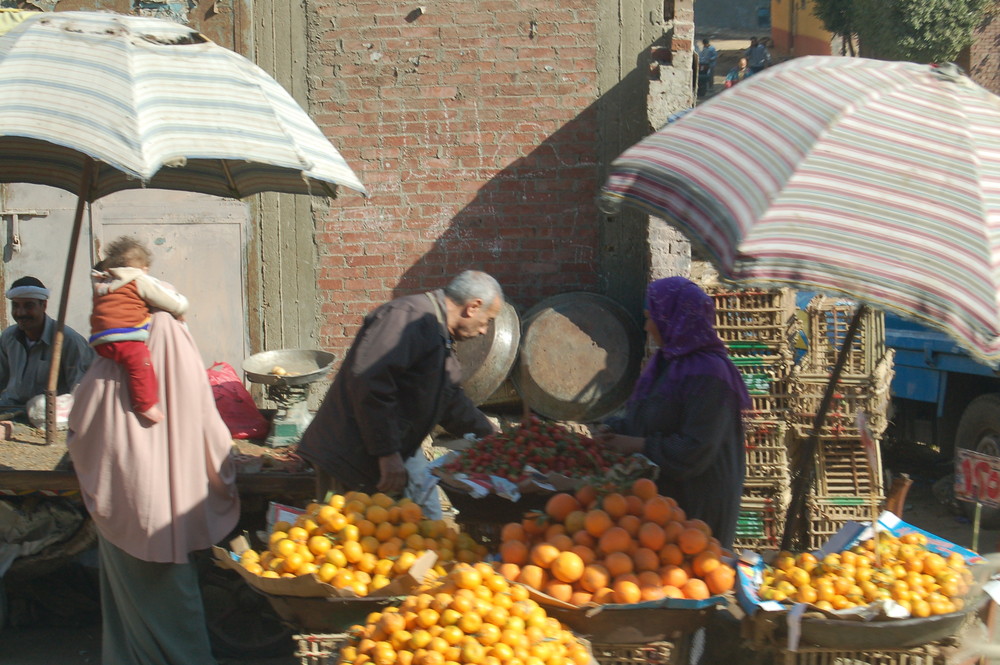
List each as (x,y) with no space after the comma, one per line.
(594,577)
(626,592)
(671,530)
(597,522)
(721,579)
(700,525)
(645,559)
(533,576)
(695,589)
(567,567)
(559,506)
(585,553)
(631,523)
(705,562)
(532,524)
(672,592)
(543,554)
(513,531)
(652,536)
(554,529)
(514,551)
(581,537)
(586,496)
(651,592)
(644,488)
(618,563)
(581,597)
(635,505)
(657,510)
(692,540)
(671,555)
(604,596)
(615,505)
(561,541)
(574,522)
(673,576)
(615,539)
(559,590)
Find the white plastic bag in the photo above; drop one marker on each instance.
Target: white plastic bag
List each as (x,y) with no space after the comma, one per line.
(36,410)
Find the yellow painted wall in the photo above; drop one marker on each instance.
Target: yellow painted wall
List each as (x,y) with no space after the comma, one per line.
(796,31)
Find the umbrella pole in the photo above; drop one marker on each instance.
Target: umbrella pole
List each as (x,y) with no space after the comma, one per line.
(57,341)
(802,476)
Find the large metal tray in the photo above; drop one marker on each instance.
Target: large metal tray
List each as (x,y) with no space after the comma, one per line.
(304,365)
(580,356)
(487,359)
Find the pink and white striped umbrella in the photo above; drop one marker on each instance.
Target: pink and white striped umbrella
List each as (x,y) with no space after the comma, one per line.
(877,180)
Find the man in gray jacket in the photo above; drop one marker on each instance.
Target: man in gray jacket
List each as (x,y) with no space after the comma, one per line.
(400,378)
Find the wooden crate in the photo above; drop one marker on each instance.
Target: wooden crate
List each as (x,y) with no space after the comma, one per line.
(924,655)
(762,516)
(828,320)
(870,394)
(843,468)
(320,648)
(754,315)
(829,514)
(766,451)
(654,653)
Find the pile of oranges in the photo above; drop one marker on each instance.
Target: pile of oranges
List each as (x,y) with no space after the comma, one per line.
(622,547)
(472,615)
(359,542)
(889,567)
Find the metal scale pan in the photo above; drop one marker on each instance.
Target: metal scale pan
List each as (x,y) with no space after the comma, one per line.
(303,366)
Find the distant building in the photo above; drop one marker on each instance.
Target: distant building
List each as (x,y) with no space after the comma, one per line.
(733,14)
(795,31)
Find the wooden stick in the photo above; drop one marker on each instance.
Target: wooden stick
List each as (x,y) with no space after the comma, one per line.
(57,341)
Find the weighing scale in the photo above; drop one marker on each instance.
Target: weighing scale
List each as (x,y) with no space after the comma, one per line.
(287,374)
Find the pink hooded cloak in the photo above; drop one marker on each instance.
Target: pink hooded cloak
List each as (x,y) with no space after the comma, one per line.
(162,491)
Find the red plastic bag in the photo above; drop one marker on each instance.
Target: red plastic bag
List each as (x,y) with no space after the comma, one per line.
(235,404)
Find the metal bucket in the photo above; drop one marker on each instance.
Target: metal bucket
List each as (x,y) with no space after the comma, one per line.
(580,357)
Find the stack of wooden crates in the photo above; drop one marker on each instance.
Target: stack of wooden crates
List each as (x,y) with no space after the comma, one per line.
(786,358)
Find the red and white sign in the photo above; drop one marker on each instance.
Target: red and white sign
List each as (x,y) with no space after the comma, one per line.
(977,477)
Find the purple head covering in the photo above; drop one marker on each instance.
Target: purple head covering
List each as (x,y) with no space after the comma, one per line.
(685,317)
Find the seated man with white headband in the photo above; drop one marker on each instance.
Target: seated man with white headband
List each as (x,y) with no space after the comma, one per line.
(25,348)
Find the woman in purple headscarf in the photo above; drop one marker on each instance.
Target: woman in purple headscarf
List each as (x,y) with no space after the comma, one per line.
(685,411)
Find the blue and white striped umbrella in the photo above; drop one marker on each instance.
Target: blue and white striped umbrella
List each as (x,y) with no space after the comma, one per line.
(155,104)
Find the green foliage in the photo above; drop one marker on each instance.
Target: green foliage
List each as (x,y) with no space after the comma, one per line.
(917,30)
(837,15)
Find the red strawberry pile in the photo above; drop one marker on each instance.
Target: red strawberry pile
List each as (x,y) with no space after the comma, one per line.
(546,447)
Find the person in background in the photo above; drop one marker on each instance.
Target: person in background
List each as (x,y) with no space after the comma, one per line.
(707,57)
(26,347)
(399,380)
(757,55)
(123,295)
(157,495)
(738,73)
(685,413)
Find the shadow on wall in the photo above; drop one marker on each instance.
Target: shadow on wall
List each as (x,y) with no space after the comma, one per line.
(535,225)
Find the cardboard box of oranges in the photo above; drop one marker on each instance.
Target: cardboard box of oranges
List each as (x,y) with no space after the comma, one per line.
(898,588)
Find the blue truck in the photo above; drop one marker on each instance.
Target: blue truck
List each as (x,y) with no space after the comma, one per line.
(942,396)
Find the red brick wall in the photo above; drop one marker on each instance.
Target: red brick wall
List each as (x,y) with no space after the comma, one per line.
(473,128)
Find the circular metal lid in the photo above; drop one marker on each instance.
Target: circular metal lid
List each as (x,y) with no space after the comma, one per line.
(302,366)
(580,357)
(487,359)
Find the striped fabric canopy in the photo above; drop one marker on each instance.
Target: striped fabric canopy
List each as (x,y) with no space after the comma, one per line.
(156,105)
(871,179)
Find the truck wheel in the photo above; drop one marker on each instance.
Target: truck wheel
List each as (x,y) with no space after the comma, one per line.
(979,430)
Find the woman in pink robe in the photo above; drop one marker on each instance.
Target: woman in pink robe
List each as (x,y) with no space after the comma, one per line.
(156,493)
